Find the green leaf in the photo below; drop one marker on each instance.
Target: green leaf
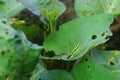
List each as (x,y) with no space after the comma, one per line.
(109,59)
(91,71)
(6,31)
(38,71)
(91,7)
(36,6)
(57,75)
(18,56)
(30,31)
(73,39)
(101,56)
(10,7)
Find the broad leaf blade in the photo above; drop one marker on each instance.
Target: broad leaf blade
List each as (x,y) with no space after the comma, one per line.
(18,56)
(11,7)
(109,59)
(6,31)
(57,75)
(35,6)
(75,33)
(32,5)
(91,7)
(91,71)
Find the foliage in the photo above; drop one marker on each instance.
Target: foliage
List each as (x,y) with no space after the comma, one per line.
(92,71)
(47,10)
(10,7)
(108,59)
(92,7)
(16,52)
(57,75)
(20,59)
(60,42)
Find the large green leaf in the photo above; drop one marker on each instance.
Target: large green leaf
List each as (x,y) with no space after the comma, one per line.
(91,71)
(91,7)
(41,73)
(18,56)
(108,59)
(36,6)
(6,31)
(10,7)
(76,37)
(57,74)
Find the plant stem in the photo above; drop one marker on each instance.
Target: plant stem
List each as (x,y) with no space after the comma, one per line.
(51,26)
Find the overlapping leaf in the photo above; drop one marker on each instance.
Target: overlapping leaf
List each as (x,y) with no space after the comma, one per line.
(18,56)
(76,37)
(10,7)
(108,59)
(89,70)
(91,7)
(36,6)
(57,75)
(6,31)
(38,71)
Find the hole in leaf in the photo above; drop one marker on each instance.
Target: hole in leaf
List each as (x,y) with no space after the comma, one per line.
(87,2)
(6,32)
(110,4)
(112,63)
(2,53)
(107,37)
(6,76)
(86,59)
(9,60)
(94,37)
(18,41)
(88,66)
(106,31)
(51,54)
(103,34)
(93,13)
(16,36)
(4,22)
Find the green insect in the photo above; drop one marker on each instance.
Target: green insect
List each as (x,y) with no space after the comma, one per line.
(75,50)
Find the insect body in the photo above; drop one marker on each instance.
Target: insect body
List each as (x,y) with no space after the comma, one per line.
(17,22)
(75,50)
